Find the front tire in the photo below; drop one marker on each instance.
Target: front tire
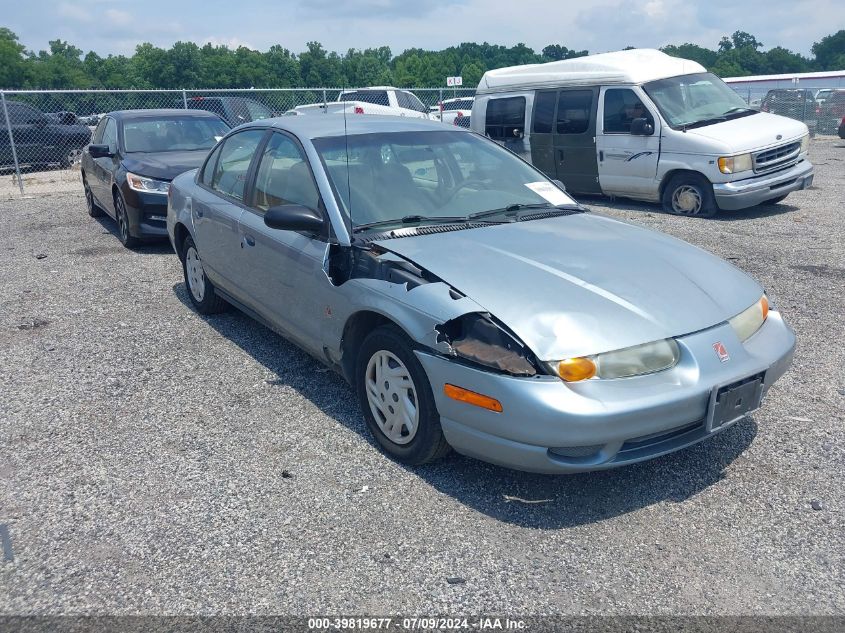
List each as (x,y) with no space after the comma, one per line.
(396,399)
(200,290)
(690,195)
(93,210)
(120,214)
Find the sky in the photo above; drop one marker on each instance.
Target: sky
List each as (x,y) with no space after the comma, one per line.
(118,26)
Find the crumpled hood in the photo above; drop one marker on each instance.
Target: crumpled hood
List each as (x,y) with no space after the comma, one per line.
(584,284)
(164,165)
(750,133)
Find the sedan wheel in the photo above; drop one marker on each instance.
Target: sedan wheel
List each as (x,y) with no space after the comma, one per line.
(93,210)
(201,291)
(396,398)
(392,397)
(122,218)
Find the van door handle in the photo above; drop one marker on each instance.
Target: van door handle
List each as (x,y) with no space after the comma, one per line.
(560,155)
(601,155)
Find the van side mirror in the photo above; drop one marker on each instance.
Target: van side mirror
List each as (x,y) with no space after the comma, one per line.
(294,217)
(641,127)
(99,151)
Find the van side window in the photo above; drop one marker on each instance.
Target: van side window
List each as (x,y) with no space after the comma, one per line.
(573,111)
(621,106)
(505,118)
(544,112)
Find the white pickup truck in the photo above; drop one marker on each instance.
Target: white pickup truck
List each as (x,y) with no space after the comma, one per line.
(376,100)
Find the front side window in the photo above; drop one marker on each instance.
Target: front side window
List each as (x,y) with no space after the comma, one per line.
(173,134)
(573,111)
(232,167)
(384,177)
(283,176)
(376,97)
(97,137)
(110,135)
(505,118)
(208,169)
(621,107)
(414,103)
(696,100)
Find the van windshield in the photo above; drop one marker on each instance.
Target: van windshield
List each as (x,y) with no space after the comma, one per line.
(696,100)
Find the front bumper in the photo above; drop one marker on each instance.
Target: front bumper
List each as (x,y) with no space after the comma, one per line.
(147,213)
(750,192)
(554,427)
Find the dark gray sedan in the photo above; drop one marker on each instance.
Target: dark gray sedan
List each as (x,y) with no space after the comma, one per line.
(468,299)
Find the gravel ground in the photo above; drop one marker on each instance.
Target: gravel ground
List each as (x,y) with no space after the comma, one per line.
(153,461)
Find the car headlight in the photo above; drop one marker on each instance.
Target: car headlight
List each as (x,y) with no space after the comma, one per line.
(751,319)
(146,185)
(805,143)
(735,164)
(622,363)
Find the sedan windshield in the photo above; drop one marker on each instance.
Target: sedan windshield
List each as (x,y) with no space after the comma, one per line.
(696,100)
(172,134)
(431,177)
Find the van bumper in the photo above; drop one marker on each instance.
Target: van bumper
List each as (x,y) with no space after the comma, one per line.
(750,192)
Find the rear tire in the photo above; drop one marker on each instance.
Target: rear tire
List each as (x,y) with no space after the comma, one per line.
(396,398)
(690,195)
(201,291)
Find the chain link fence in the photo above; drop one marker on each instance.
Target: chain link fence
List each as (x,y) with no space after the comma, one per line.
(42,133)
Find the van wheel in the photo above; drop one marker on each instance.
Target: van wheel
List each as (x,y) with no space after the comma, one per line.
(396,398)
(691,195)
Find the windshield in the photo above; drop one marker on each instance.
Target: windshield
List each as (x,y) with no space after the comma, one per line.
(700,98)
(429,176)
(172,134)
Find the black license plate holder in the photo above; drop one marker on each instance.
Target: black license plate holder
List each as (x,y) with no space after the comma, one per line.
(734,401)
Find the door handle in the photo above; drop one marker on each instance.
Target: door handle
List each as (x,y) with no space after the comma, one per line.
(249,240)
(601,155)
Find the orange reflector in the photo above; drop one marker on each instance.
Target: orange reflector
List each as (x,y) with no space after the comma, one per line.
(470,397)
(574,369)
(764,304)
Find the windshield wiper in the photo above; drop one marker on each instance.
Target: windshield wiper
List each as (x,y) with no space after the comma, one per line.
(703,122)
(409,219)
(511,209)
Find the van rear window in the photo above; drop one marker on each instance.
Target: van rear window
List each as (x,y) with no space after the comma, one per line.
(505,118)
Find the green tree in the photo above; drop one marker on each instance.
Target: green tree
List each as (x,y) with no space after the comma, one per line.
(830,51)
(696,53)
(12,63)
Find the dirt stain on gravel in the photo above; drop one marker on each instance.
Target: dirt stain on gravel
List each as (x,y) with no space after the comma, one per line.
(33,324)
(95,251)
(822,270)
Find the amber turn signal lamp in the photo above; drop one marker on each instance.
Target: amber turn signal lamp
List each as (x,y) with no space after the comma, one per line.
(764,305)
(471,397)
(575,369)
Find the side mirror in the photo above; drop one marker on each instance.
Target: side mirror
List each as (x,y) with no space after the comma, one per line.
(99,151)
(641,127)
(517,132)
(294,217)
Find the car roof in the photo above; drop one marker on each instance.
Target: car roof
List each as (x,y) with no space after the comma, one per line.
(160,112)
(622,67)
(311,126)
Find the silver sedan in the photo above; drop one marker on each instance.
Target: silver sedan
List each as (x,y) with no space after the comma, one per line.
(471,303)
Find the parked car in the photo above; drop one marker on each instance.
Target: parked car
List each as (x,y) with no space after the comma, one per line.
(134,154)
(831,112)
(795,103)
(463,120)
(64,117)
(647,126)
(841,130)
(822,94)
(233,110)
(38,139)
(451,109)
(382,100)
(468,299)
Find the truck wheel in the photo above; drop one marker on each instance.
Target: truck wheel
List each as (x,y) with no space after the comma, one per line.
(690,195)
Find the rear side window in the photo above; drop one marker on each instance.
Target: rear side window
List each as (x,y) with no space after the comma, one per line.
(505,118)
(202,103)
(573,111)
(377,97)
(232,167)
(544,112)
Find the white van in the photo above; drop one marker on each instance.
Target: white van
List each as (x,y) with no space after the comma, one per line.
(644,125)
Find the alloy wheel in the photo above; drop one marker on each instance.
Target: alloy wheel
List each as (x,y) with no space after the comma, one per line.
(392,397)
(122,220)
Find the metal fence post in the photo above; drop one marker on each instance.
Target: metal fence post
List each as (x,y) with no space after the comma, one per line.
(184,98)
(11,140)
(325,105)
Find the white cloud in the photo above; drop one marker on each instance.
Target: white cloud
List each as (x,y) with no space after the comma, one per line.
(118,18)
(74,12)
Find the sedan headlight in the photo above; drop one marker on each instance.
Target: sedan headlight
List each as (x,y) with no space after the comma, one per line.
(621,363)
(751,319)
(735,164)
(805,143)
(146,185)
